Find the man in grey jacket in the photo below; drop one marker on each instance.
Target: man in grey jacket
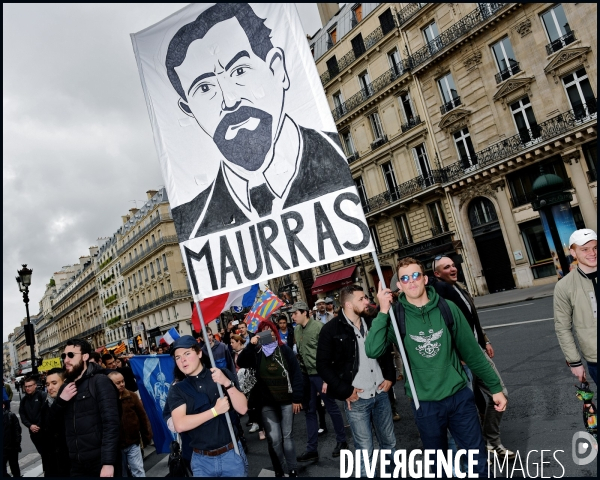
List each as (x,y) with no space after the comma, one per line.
(575,305)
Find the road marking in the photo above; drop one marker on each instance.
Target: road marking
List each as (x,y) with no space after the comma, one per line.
(504,308)
(517,323)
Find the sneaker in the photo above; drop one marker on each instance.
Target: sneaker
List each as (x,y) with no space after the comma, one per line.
(395,416)
(293,473)
(254,428)
(502,451)
(261,435)
(322,431)
(249,423)
(339,446)
(308,456)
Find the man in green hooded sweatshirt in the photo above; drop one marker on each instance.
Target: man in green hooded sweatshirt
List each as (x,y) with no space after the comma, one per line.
(434,356)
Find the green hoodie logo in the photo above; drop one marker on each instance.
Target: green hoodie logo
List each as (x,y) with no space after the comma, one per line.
(428,349)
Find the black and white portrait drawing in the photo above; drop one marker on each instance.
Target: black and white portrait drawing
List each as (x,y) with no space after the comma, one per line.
(258,182)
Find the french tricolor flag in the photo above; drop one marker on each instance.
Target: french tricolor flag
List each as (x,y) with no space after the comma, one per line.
(212,307)
(170,336)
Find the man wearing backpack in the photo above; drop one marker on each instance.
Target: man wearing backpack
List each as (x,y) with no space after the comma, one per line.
(91,412)
(436,336)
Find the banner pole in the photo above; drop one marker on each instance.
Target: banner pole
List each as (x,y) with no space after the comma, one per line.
(212,362)
(399,340)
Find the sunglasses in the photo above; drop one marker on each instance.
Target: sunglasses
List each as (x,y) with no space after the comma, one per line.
(406,278)
(70,355)
(436,259)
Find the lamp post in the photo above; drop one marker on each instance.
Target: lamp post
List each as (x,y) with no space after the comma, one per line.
(24,280)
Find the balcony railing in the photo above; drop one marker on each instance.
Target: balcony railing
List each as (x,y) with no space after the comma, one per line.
(159,301)
(552,127)
(145,252)
(592,175)
(460,28)
(368,91)
(405,190)
(369,42)
(353,158)
(560,43)
(379,142)
(155,221)
(451,105)
(409,11)
(75,304)
(412,123)
(508,72)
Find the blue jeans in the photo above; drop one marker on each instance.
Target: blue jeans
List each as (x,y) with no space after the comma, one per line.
(279,429)
(458,414)
(451,443)
(132,456)
(312,423)
(593,370)
(228,464)
(375,411)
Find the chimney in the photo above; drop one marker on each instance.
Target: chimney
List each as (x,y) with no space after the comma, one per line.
(93,251)
(327,11)
(133,211)
(151,193)
(125,218)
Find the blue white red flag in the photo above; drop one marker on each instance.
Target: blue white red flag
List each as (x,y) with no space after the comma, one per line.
(171,336)
(212,307)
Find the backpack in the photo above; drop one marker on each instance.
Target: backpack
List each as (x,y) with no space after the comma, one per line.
(446,315)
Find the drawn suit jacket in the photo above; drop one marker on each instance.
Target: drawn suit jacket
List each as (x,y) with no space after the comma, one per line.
(321,170)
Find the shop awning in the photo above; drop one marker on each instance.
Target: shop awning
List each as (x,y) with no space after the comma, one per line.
(334,280)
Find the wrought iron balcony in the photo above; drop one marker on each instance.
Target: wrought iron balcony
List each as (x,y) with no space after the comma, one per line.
(353,158)
(409,11)
(560,43)
(159,301)
(155,221)
(379,142)
(451,105)
(551,128)
(460,28)
(468,161)
(592,175)
(365,93)
(508,72)
(412,123)
(145,252)
(405,190)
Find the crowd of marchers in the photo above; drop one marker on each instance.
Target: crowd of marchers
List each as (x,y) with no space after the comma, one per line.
(90,422)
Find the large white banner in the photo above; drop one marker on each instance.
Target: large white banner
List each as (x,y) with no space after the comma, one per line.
(258,182)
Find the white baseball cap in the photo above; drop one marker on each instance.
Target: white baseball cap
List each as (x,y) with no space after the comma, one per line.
(320,300)
(582,236)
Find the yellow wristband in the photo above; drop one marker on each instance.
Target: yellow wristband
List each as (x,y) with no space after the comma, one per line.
(214,412)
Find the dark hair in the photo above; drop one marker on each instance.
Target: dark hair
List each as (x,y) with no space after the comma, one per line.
(258,35)
(61,372)
(268,324)
(348,291)
(282,317)
(406,261)
(29,378)
(179,375)
(83,345)
(107,356)
(96,356)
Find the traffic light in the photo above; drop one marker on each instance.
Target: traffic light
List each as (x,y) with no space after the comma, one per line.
(29,334)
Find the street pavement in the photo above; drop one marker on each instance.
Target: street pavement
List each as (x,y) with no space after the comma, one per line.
(543,412)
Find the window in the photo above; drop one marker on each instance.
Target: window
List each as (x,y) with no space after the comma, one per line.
(362,193)
(436,214)
(557,28)
(450,98)
(164,257)
(325,268)
(404,235)
(408,112)
(332,66)
(395,61)
(151,270)
(169,285)
(386,21)
(135,252)
(168,315)
(348,261)
(591,159)
(146,273)
(332,38)
(348,143)
(429,33)
(338,103)
(153,240)
(364,82)
(390,180)
(422,163)
(537,248)
(520,182)
(579,91)
(356,14)
(481,211)
(129,281)
(162,287)
(147,244)
(464,146)
(375,237)
(129,257)
(525,120)
(140,276)
(160,315)
(505,59)
(358,45)
(157,266)
(144,298)
(155,292)
(376,126)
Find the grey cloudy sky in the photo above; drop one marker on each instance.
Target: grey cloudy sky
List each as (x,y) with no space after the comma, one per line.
(78,145)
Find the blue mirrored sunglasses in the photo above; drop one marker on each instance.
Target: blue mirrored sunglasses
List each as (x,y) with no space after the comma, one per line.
(406,278)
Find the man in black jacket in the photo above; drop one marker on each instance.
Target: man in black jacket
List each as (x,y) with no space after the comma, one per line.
(30,411)
(91,411)
(446,285)
(11,436)
(360,382)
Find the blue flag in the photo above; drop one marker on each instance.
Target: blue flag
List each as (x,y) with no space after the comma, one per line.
(154,375)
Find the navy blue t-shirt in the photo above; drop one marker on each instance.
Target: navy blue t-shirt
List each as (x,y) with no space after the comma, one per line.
(214,433)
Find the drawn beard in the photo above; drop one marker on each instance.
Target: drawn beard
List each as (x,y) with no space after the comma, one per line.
(73,374)
(247,148)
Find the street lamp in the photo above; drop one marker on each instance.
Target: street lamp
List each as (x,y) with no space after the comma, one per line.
(24,280)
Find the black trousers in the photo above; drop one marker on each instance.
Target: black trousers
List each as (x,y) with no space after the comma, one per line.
(92,469)
(12,458)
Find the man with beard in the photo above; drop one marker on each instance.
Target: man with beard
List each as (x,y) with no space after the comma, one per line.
(91,411)
(233,82)
(55,454)
(360,382)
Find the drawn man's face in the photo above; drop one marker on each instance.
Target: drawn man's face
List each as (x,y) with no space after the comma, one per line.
(235,96)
